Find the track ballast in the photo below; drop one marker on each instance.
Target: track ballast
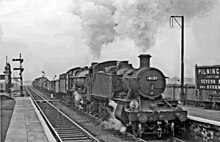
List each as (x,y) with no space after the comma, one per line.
(64,129)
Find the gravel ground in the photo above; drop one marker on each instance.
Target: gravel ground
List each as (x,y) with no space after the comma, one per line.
(91,124)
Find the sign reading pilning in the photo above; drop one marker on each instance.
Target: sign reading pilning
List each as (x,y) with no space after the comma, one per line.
(208,77)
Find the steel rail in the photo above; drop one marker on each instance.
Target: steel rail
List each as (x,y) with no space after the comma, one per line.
(76,124)
(44,116)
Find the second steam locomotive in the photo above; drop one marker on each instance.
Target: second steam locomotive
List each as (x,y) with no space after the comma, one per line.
(136,91)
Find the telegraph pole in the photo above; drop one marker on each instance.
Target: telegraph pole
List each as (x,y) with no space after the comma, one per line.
(182,95)
(21,70)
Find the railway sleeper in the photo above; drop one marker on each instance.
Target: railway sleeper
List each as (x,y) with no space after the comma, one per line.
(75,138)
(70,131)
(72,136)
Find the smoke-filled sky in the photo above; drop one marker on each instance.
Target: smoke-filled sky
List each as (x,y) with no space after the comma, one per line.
(56,35)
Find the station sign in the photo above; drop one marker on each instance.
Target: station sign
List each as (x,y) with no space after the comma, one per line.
(208,77)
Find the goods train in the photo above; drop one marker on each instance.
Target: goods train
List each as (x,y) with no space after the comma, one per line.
(136,91)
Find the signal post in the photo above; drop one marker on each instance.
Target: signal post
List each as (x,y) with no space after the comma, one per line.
(21,70)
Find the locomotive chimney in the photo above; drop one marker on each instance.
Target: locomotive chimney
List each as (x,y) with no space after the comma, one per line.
(144,60)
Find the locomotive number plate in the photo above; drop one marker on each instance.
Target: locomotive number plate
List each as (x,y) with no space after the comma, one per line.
(152,78)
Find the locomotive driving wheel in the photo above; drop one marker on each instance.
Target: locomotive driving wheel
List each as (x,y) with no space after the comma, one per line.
(136,129)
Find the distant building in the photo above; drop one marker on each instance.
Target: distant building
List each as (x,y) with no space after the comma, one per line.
(27,82)
(5,79)
(2,83)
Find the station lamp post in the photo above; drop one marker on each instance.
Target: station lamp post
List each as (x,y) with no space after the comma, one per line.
(176,18)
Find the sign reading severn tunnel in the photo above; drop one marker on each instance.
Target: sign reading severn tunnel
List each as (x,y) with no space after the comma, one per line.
(208,77)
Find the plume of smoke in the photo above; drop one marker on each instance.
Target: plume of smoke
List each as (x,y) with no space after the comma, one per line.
(106,3)
(97,23)
(78,99)
(192,8)
(112,123)
(140,19)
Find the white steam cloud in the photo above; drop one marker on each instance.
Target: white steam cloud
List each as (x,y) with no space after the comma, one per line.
(98,26)
(55,35)
(138,20)
(112,123)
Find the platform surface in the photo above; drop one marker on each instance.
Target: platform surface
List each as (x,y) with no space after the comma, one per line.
(212,115)
(6,110)
(26,123)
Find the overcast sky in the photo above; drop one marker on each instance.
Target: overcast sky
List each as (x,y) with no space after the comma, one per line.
(56,35)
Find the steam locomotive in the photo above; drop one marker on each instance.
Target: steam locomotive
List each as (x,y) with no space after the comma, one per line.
(136,91)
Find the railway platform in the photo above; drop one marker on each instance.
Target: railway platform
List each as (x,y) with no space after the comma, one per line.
(27,124)
(203,115)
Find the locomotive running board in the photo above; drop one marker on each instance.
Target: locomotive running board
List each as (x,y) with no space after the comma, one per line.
(121,101)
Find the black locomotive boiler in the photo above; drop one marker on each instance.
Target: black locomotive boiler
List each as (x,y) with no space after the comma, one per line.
(137,92)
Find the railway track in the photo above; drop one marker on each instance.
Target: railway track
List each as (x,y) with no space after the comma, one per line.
(63,128)
(173,139)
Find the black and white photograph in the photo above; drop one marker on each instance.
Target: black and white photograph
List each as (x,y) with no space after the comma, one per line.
(110,70)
